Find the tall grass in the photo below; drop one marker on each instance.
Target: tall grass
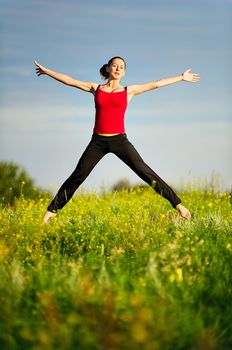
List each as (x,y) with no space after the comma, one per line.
(118,271)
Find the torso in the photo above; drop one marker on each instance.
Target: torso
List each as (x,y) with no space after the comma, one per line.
(110,109)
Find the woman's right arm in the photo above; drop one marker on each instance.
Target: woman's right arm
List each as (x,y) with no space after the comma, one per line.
(65,79)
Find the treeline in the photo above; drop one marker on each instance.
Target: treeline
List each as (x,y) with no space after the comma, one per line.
(15,182)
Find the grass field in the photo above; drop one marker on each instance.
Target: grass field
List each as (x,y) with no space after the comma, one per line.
(117,271)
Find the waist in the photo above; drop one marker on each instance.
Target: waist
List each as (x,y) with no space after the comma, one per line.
(108,137)
(107,134)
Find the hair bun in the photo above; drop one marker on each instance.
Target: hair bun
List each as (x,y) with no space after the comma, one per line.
(103,71)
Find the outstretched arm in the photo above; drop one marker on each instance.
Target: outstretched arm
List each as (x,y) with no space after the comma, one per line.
(65,79)
(186,76)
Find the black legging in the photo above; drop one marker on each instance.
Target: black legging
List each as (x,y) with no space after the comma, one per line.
(98,147)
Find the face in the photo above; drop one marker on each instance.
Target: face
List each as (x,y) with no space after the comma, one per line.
(116,69)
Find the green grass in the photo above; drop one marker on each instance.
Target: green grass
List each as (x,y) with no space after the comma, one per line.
(119,271)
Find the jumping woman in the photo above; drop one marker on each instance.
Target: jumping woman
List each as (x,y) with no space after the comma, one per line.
(111,100)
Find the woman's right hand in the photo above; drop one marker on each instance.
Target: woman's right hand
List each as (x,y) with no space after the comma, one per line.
(40,69)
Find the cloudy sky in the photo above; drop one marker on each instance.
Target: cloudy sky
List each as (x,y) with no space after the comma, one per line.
(181,131)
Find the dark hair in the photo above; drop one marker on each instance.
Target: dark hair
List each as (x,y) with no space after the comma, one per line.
(103,71)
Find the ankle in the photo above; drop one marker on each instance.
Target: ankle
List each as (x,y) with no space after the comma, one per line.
(48,215)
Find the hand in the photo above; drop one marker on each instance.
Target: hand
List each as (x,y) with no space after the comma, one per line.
(190,77)
(39,69)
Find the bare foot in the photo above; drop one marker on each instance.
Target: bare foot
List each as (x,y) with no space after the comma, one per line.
(184,212)
(48,216)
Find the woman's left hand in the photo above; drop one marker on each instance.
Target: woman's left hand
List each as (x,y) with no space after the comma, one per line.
(190,77)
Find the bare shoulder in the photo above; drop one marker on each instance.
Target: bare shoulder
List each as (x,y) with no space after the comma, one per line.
(131,89)
(130,92)
(91,87)
(94,87)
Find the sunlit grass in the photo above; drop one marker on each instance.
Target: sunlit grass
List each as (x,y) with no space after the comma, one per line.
(119,271)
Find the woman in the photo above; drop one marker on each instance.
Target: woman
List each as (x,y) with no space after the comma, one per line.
(111,100)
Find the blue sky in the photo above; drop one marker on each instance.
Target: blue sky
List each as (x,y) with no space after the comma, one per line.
(183,130)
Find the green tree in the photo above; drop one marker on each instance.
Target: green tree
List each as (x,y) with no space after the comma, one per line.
(124,184)
(15,182)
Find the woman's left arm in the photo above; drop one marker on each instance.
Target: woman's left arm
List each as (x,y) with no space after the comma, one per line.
(186,76)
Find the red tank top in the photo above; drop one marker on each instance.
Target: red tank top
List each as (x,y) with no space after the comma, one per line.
(110,111)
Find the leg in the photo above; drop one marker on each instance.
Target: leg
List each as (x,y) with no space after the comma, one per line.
(128,154)
(91,156)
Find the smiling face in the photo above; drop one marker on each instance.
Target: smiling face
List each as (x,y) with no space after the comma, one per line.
(116,69)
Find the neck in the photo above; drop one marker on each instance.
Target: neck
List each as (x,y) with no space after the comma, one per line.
(113,84)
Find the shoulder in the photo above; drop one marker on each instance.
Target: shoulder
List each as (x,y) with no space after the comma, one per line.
(131,89)
(94,87)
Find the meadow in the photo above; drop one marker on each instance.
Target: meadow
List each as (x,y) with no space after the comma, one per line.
(120,270)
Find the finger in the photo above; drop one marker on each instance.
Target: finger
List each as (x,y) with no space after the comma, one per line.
(38,66)
(38,72)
